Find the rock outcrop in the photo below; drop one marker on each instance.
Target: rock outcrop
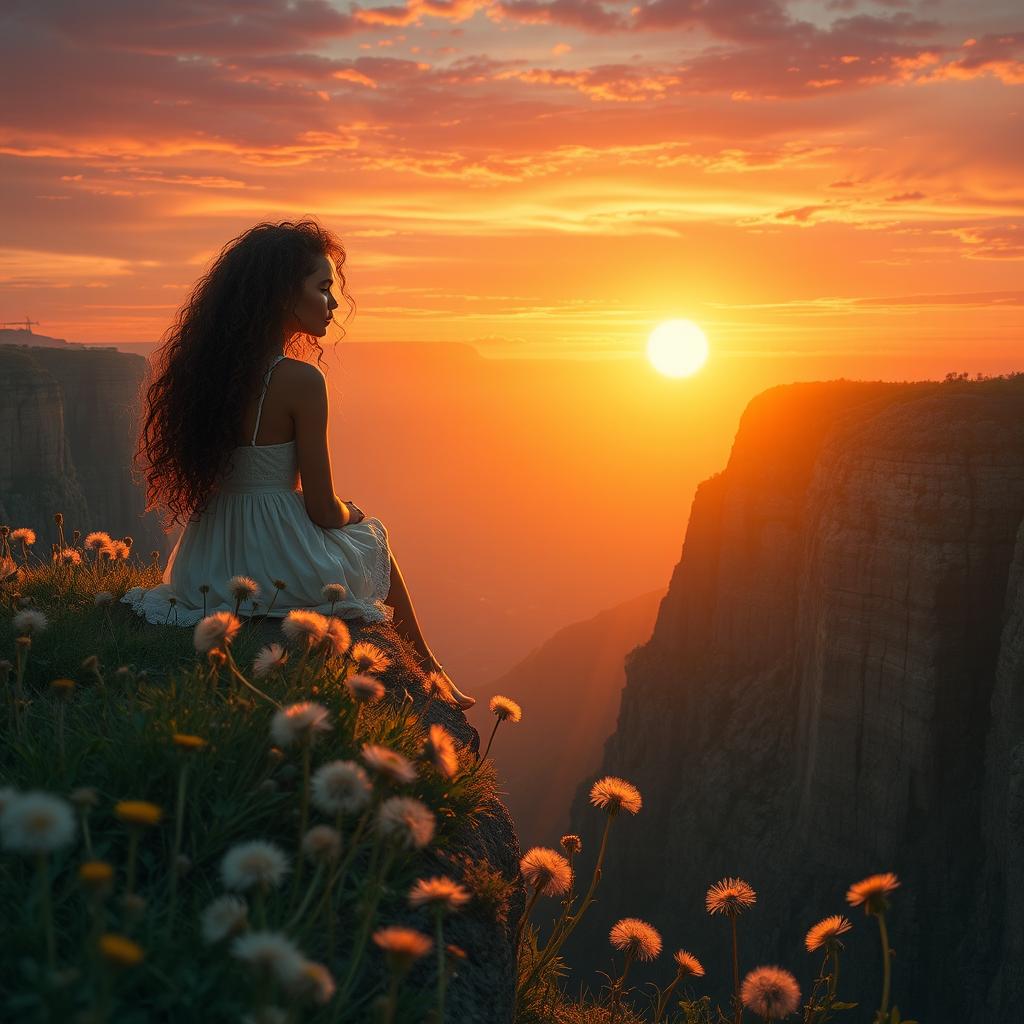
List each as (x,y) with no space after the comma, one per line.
(68,420)
(832,689)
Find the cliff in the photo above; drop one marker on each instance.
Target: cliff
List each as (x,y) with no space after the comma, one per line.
(832,690)
(67,433)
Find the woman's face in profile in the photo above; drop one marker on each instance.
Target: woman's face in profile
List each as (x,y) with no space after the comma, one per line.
(316,303)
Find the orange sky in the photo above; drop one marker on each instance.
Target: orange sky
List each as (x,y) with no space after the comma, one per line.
(803,179)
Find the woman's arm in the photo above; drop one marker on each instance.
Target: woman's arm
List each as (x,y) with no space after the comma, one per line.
(309,413)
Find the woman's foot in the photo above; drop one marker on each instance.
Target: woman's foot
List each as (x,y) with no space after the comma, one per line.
(463,700)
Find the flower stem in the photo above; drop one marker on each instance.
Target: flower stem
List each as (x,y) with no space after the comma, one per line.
(179,818)
(441,976)
(47,907)
(736,971)
(883,933)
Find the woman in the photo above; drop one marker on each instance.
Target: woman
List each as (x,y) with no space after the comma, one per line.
(233,423)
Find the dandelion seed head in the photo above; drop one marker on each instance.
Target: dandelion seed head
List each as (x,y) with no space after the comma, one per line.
(298,723)
(687,964)
(304,626)
(614,794)
(120,549)
(311,981)
(407,820)
(256,862)
(322,844)
(770,992)
(269,953)
(873,892)
(268,659)
(280,584)
(243,588)
(439,750)
(636,937)
(338,636)
(340,787)
(7,794)
(369,658)
(36,822)
(389,763)
(436,684)
(505,708)
(25,535)
(438,892)
(215,631)
(333,593)
(826,931)
(729,896)
(29,622)
(364,689)
(546,870)
(69,556)
(97,539)
(225,916)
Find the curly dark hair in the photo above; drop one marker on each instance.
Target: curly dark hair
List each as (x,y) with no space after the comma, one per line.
(212,358)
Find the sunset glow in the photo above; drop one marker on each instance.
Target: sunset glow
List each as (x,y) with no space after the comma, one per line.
(677,348)
(534,178)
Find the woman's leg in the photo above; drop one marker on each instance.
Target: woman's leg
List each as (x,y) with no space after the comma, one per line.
(406,623)
(405,620)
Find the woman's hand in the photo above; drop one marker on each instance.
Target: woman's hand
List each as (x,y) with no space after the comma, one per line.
(356,514)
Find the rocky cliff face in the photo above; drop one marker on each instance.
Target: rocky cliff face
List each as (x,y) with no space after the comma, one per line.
(833,689)
(67,433)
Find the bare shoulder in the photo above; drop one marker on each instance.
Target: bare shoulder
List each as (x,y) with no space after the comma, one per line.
(301,378)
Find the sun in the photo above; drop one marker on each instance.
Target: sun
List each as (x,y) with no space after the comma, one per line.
(677,348)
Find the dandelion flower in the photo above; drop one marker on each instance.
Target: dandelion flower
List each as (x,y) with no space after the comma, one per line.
(322,844)
(439,750)
(338,636)
(225,916)
(687,963)
(29,622)
(96,540)
(571,843)
(120,950)
(268,953)
(402,946)
(62,687)
(25,535)
(311,981)
(872,892)
(242,588)
(185,741)
(389,763)
(96,874)
(256,862)
(333,593)
(505,709)
(436,684)
(69,556)
(364,689)
(729,896)
(299,722)
(407,820)
(300,625)
(826,931)
(771,992)
(120,549)
(340,787)
(268,659)
(438,892)
(546,870)
(137,812)
(636,937)
(215,631)
(103,599)
(615,794)
(37,822)
(369,658)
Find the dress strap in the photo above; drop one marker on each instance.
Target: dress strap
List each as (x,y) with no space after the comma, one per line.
(263,394)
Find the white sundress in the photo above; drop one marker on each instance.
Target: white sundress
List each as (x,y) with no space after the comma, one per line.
(256,525)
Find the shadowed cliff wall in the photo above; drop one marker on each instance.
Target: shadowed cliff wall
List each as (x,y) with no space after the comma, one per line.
(815,703)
